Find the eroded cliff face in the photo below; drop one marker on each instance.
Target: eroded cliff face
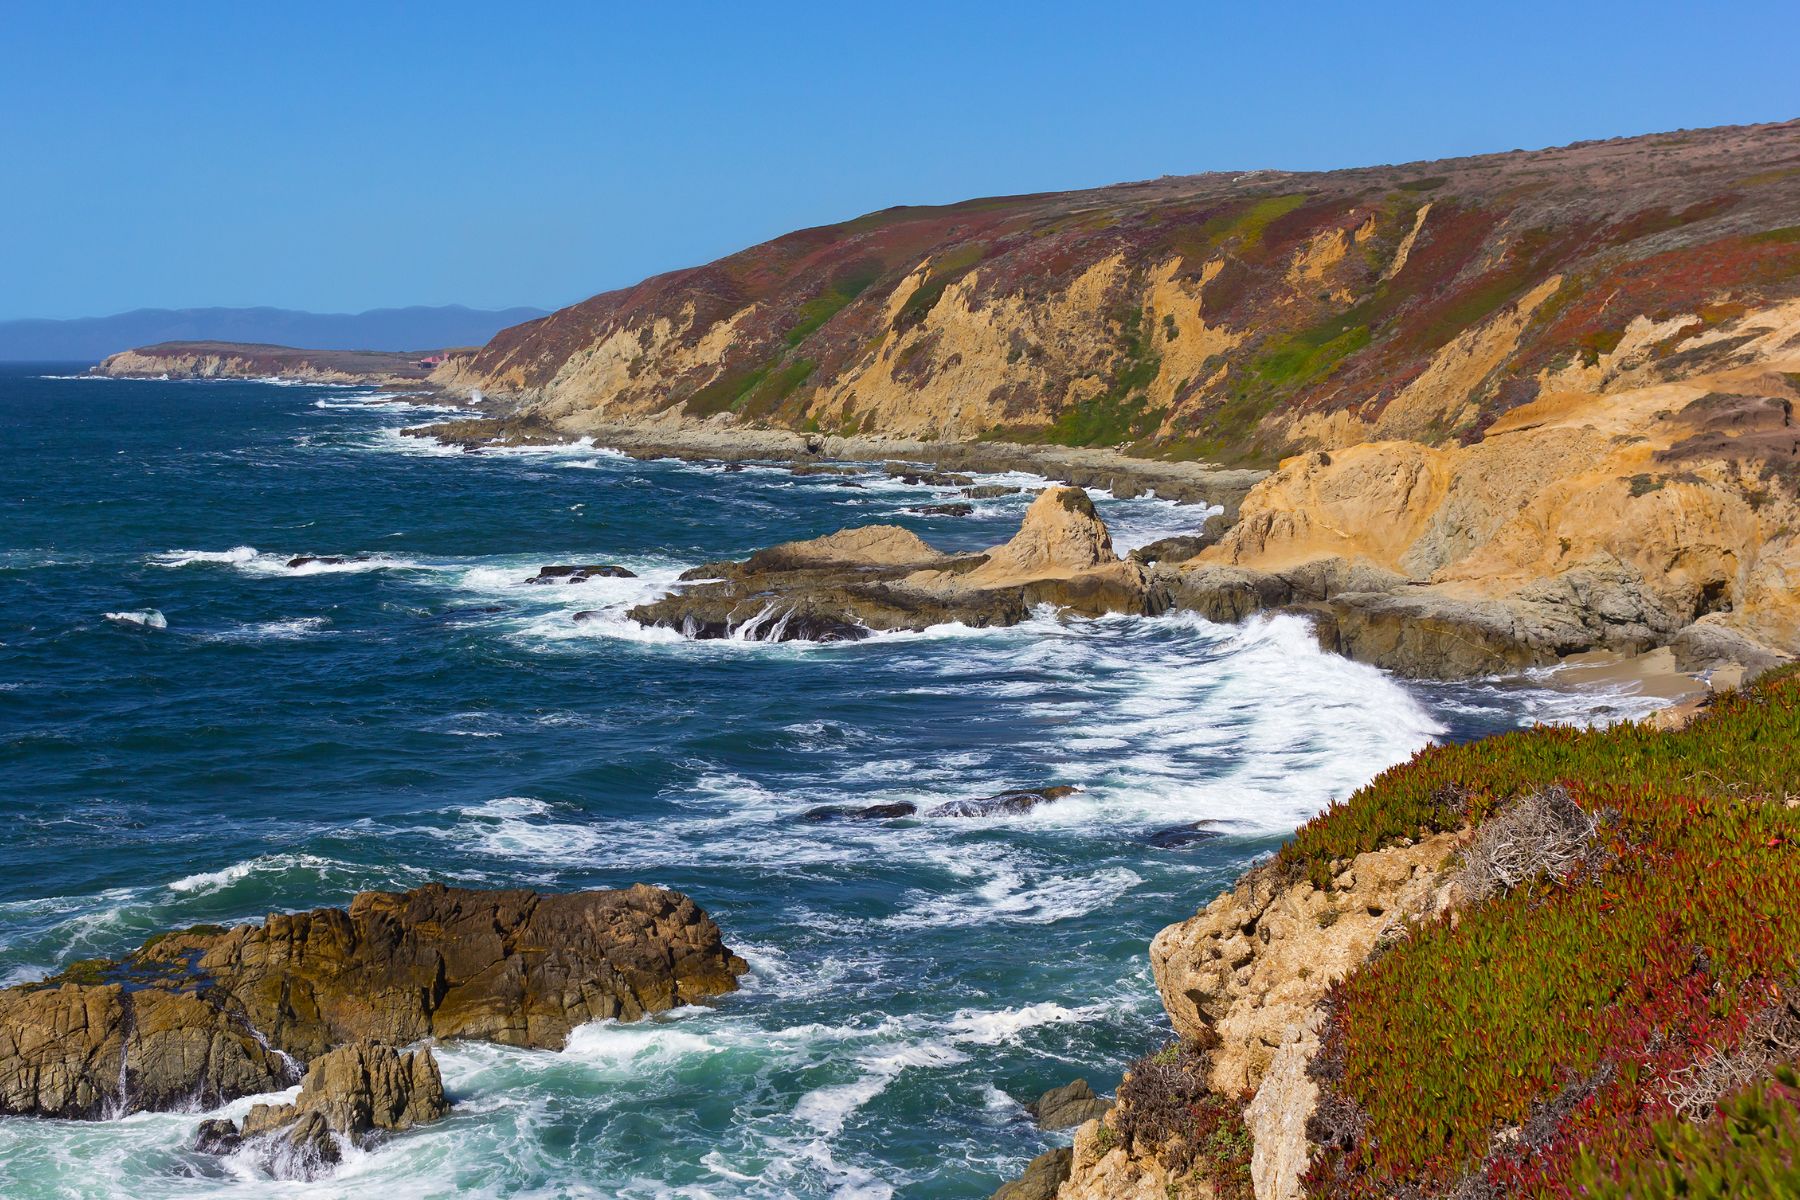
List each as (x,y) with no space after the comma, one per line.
(1621,508)
(1246,978)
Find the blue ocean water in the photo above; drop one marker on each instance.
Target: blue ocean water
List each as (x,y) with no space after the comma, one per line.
(240,736)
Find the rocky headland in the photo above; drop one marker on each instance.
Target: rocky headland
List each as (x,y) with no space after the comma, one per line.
(239,360)
(198,1017)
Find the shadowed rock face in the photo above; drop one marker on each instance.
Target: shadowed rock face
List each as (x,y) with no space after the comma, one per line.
(212,1014)
(359,1091)
(882,577)
(86,1051)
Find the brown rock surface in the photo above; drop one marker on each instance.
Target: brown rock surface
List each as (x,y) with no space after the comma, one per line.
(1065,1107)
(358,1092)
(92,1050)
(881,577)
(210,1014)
(1041,1179)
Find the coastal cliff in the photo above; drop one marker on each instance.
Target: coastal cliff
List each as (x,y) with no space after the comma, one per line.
(1550,963)
(1513,407)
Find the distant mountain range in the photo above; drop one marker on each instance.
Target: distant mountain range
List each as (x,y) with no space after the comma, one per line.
(89,339)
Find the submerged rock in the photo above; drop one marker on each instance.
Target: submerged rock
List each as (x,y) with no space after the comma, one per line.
(325,560)
(1068,1106)
(915,477)
(1003,804)
(884,577)
(1177,836)
(989,491)
(217,1136)
(872,812)
(208,1014)
(580,573)
(943,510)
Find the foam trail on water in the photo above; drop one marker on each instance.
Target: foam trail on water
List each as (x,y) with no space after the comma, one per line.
(146,618)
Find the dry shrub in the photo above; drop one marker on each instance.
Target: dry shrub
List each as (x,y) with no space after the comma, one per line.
(1771,1037)
(1167,1111)
(1545,832)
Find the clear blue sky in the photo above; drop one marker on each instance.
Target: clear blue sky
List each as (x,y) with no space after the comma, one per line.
(345,156)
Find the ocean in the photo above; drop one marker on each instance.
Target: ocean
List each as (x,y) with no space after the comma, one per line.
(194,730)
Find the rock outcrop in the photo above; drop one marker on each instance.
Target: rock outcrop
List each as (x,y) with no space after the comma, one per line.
(1548,397)
(1245,979)
(107,1047)
(1003,803)
(1065,1107)
(580,573)
(881,577)
(207,1014)
(357,1092)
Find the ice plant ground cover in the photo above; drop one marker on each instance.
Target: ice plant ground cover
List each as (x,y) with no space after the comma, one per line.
(1589,1031)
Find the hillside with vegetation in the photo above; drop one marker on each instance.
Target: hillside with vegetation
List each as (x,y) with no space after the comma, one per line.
(1583,981)
(1512,407)
(1233,317)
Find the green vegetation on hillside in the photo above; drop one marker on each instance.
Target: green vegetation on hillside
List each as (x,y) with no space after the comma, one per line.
(1121,413)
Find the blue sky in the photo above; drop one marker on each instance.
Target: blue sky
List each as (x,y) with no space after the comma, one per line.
(339,157)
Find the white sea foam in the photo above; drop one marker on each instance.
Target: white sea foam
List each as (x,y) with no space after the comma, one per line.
(291,629)
(205,882)
(146,618)
(252,561)
(236,556)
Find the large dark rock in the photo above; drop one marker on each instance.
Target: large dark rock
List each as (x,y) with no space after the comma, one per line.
(217,1136)
(580,573)
(990,491)
(1177,836)
(325,560)
(208,1014)
(850,812)
(1003,804)
(942,510)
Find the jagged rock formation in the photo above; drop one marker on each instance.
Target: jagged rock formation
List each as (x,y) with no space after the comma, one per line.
(210,1014)
(91,1049)
(358,1092)
(1246,978)
(844,586)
